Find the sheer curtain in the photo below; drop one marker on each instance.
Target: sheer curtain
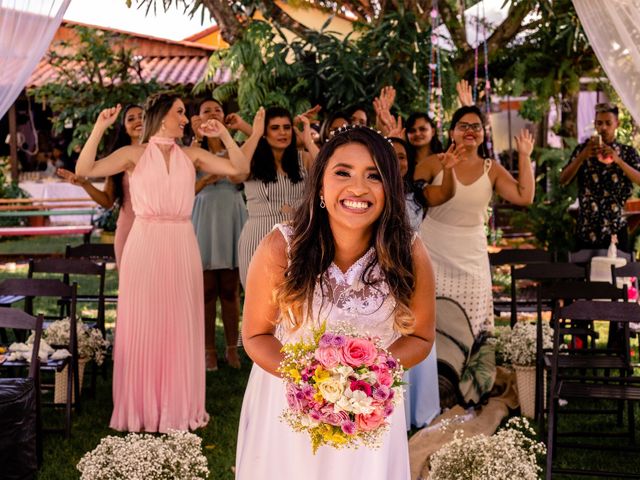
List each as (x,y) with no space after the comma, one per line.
(613,29)
(26,29)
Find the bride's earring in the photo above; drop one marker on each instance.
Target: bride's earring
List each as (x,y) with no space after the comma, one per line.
(162,125)
(322,204)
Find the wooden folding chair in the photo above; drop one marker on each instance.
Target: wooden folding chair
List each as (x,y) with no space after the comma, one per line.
(514,257)
(15,319)
(591,387)
(562,293)
(33,288)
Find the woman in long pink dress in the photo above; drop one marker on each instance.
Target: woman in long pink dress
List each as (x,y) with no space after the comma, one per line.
(159,369)
(116,188)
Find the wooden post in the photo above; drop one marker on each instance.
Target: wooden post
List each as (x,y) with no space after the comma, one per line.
(13,143)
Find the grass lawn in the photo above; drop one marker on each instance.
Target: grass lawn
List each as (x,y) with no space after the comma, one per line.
(225,389)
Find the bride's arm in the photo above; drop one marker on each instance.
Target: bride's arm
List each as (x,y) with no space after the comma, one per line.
(266,272)
(413,348)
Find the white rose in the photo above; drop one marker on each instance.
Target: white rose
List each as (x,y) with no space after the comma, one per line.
(331,389)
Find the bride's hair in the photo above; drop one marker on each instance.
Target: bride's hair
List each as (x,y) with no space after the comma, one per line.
(312,247)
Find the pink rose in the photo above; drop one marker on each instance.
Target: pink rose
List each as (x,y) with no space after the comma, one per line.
(384,377)
(366,423)
(329,357)
(333,418)
(358,352)
(360,385)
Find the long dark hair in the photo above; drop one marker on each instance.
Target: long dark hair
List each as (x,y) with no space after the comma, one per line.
(325,132)
(483,149)
(435,144)
(263,162)
(122,139)
(312,244)
(410,185)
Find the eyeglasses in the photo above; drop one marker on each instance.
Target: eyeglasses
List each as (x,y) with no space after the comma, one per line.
(464,126)
(606,108)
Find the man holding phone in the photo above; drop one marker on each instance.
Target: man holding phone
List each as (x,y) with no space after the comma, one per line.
(606,171)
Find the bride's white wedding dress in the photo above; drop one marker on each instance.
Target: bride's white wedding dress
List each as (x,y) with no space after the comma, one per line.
(267,447)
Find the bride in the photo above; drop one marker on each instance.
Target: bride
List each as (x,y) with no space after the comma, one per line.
(349,255)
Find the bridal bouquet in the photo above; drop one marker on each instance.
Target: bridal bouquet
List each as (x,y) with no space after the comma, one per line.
(341,388)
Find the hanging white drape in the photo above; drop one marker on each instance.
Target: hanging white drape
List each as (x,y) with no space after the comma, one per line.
(613,29)
(26,30)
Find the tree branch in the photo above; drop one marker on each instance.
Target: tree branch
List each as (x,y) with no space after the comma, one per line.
(230,25)
(501,36)
(455,25)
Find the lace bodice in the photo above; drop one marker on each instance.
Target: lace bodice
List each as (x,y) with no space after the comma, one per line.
(343,297)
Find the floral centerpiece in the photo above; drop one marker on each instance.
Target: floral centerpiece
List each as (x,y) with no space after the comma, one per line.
(91,343)
(341,388)
(146,457)
(510,453)
(518,347)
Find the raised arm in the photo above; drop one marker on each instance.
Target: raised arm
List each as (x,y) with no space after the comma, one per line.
(310,146)
(522,190)
(260,312)
(439,194)
(234,121)
(117,162)
(249,147)
(629,170)
(577,159)
(206,161)
(104,198)
(413,348)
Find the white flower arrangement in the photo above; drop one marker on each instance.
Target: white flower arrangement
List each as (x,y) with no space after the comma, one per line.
(518,347)
(91,343)
(177,454)
(510,453)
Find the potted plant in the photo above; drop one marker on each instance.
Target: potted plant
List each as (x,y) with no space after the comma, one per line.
(518,348)
(512,452)
(174,455)
(107,222)
(9,189)
(91,346)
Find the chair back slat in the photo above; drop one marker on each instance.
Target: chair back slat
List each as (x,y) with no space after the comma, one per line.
(594,310)
(519,256)
(19,320)
(103,251)
(579,290)
(73,266)
(549,271)
(36,287)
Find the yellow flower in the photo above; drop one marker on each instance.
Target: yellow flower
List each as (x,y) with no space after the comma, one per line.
(318,397)
(321,375)
(295,374)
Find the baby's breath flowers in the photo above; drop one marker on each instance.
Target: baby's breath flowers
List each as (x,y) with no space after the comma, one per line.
(177,455)
(510,453)
(518,347)
(91,343)
(341,388)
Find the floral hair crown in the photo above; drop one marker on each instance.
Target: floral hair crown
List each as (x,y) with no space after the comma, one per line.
(355,126)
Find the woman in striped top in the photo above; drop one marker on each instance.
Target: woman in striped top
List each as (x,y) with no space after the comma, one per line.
(275,184)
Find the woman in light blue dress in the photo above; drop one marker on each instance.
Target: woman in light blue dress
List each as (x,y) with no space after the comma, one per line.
(422,398)
(219,213)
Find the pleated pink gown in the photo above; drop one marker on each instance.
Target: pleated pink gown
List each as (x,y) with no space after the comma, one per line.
(159,369)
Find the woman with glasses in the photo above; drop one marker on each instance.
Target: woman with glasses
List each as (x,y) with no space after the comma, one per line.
(454,232)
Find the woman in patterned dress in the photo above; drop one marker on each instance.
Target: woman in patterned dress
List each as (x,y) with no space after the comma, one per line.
(275,185)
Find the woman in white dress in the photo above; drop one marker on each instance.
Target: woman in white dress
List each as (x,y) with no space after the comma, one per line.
(349,255)
(454,232)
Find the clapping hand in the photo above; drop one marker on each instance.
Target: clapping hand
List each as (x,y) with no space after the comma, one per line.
(451,157)
(524,142)
(465,94)
(306,127)
(107,117)
(258,122)
(196,122)
(212,128)
(70,177)
(388,96)
(233,121)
